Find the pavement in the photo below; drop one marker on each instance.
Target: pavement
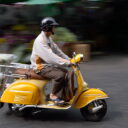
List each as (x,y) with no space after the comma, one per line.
(109,72)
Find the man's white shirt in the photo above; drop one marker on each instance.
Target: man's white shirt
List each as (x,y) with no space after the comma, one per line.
(48,51)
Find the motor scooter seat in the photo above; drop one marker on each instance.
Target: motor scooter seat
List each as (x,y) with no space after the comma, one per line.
(30,74)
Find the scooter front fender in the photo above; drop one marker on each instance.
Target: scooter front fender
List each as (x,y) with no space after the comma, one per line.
(88,96)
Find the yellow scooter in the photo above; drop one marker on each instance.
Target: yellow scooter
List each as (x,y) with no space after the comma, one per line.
(29,94)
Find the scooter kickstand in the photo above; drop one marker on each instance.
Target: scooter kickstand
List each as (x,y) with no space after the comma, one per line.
(36,112)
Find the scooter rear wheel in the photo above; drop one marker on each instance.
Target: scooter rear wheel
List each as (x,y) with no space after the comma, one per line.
(1,104)
(89,115)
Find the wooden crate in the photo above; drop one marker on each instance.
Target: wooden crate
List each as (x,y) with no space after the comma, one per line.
(82,48)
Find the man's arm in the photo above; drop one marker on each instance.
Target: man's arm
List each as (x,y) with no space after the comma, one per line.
(58,51)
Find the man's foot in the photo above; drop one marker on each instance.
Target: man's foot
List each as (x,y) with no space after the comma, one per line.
(56,100)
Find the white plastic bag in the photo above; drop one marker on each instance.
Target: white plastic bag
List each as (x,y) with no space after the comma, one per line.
(7,58)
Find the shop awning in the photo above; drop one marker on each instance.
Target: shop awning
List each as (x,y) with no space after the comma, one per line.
(32,2)
(11,1)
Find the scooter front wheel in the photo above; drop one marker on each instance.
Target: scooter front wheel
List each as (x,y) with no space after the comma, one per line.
(95,111)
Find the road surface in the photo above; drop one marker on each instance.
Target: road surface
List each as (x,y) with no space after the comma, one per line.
(109,72)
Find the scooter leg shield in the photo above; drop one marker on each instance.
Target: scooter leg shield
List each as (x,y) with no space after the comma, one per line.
(88,96)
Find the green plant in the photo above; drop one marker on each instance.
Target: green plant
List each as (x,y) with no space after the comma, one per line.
(62,34)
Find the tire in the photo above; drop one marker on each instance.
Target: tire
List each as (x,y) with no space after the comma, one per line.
(1,105)
(94,116)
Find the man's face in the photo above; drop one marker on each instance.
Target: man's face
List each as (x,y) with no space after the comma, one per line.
(53,29)
(52,32)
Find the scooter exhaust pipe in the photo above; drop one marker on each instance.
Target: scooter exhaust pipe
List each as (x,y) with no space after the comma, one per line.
(31,106)
(97,108)
(27,106)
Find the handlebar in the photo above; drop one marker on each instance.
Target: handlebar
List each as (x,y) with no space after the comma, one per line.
(77,59)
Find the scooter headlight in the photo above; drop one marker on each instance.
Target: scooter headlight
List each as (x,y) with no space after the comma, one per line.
(81,57)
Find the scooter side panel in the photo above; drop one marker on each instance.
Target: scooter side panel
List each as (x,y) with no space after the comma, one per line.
(88,96)
(21,93)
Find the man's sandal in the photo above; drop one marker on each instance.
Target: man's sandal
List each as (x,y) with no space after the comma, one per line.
(59,102)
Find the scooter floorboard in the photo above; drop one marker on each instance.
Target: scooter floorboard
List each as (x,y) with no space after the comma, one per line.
(53,106)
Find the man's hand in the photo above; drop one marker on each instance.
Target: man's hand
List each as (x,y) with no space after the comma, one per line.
(71,64)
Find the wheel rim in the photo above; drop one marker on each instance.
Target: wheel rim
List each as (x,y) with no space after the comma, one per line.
(97,116)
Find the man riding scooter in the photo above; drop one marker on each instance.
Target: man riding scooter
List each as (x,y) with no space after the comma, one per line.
(47,59)
(27,95)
